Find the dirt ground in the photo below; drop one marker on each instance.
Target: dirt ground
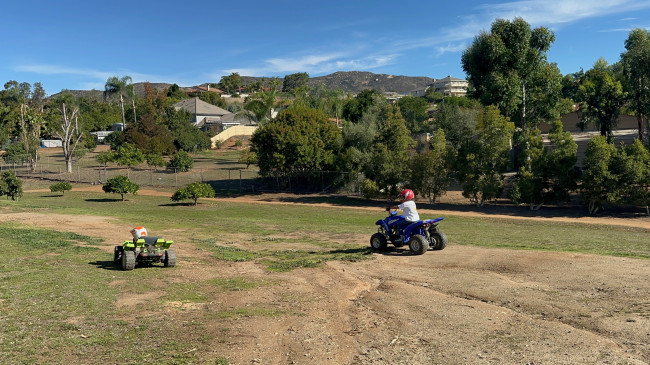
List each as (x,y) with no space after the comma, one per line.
(462,305)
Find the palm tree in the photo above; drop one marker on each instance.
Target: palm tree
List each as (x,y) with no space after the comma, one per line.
(115,85)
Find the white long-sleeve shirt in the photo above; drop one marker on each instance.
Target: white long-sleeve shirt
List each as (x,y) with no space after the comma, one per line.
(410,212)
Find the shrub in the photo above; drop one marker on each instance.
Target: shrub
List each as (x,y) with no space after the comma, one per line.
(181,161)
(10,185)
(120,184)
(193,191)
(369,189)
(61,187)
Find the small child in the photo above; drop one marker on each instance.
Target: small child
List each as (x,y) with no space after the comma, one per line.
(407,205)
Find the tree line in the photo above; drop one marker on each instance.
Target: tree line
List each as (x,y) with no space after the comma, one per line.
(423,142)
(475,140)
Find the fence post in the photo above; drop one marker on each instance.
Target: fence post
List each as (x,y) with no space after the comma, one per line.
(240,182)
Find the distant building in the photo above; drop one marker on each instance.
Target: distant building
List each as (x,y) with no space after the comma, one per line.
(451,86)
(206,115)
(48,143)
(100,135)
(447,86)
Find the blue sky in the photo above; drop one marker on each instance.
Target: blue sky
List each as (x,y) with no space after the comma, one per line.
(79,44)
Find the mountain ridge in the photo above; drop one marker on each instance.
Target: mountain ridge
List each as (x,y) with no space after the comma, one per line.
(348,81)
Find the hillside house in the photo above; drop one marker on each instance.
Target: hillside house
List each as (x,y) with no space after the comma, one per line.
(206,115)
(451,86)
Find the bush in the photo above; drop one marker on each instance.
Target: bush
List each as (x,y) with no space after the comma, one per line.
(61,187)
(369,189)
(10,185)
(193,191)
(181,161)
(15,153)
(120,184)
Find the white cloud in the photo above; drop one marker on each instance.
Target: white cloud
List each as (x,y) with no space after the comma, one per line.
(62,70)
(95,79)
(313,65)
(548,13)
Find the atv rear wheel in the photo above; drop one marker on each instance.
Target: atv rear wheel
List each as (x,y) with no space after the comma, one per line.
(418,244)
(128,260)
(438,240)
(170,258)
(378,242)
(117,254)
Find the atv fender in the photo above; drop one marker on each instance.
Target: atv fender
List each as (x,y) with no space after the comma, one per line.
(383,224)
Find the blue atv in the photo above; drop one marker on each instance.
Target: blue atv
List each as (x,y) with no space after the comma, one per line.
(420,235)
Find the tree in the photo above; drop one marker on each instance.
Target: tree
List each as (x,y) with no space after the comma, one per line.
(128,155)
(156,160)
(121,86)
(294,81)
(547,174)
(115,139)
(431,172)
(354,108)
(635,175)
(67,129)
(297,140)
(636,69)
(120,184)
(485,160)
(231,83)
(457,122)
(390,164)
(61,187)
(181,161)
(414,111)
(149,136)
(193,191)
(11,185)
(601,97)
(24,112)
(508,68)
(247,157)
(598,182)
(15,153)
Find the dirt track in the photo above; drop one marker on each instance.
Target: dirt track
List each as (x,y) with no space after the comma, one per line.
(463,305)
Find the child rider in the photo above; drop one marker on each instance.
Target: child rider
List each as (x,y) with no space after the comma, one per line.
(407,205)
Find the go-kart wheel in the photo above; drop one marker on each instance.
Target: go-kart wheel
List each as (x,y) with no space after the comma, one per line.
(128,260)
(378,242)
(438,240)
(418,244)
(170,258)
(117,254)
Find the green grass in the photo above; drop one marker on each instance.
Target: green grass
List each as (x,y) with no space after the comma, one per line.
(265,225)
(59,291)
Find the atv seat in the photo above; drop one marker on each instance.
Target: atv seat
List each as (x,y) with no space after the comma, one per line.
(148,240)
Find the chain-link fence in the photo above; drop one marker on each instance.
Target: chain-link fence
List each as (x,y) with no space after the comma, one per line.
(221,179)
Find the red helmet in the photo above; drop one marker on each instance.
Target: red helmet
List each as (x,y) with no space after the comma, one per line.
(406,194)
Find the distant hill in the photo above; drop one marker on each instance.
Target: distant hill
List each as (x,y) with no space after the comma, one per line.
(357,81)
(348,81)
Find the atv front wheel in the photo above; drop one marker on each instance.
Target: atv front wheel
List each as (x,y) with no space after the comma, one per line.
(128,260)
(438,240)
(170,258)
(418,244)
(378,242)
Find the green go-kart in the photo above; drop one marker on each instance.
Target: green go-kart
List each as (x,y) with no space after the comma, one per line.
(144,251)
